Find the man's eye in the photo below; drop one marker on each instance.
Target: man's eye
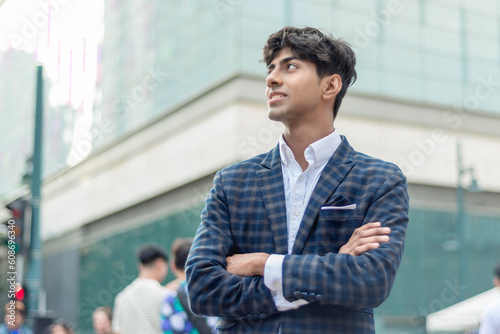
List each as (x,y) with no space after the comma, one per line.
(291,66)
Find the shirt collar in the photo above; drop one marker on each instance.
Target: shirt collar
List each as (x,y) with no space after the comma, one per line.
(317,154)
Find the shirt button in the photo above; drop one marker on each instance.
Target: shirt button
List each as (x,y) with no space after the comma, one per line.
(300,178)
(296,213)
(277,286)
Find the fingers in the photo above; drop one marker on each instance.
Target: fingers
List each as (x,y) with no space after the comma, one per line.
(365,238)
(365,244)
(373,229)
(364,248)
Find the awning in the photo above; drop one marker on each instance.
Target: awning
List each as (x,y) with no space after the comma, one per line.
(462,316)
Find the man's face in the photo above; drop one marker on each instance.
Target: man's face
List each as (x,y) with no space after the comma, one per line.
(294,91)
(17,322)
(162,269)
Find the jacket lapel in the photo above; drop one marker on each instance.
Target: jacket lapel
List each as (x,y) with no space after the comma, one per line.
(270,180)
(334,172)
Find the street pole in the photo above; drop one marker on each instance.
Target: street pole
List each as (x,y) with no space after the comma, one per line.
(462,254)
(33,279)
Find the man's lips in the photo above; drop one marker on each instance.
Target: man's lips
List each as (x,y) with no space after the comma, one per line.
(276,96)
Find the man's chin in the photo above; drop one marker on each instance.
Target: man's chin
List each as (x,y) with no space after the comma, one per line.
(274,116)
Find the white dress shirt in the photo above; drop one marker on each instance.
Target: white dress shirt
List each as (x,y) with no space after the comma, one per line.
(299,186)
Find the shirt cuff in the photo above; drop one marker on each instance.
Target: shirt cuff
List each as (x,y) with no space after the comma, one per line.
(273,280)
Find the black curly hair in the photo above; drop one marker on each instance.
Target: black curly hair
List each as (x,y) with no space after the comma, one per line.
(330,55)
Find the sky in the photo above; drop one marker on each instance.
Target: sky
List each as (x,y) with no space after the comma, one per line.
(64,36)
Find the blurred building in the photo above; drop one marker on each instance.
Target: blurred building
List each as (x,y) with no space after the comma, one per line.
(17,105)
(181,95)
(17,108)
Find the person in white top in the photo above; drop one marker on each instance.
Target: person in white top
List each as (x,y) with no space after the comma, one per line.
(490,323)
(137,307)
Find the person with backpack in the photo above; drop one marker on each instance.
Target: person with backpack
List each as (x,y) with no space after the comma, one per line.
(176,316)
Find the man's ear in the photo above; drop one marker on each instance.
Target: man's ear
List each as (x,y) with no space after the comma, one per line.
(496,281)
(333,84)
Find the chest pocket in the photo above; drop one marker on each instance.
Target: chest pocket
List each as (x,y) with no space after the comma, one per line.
(335,227)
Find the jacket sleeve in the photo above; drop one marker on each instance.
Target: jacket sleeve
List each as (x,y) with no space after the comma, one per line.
(355,281)
(212,290)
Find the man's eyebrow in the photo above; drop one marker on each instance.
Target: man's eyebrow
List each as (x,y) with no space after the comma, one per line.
(284,60)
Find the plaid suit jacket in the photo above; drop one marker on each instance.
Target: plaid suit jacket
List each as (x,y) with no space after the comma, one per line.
(245,212)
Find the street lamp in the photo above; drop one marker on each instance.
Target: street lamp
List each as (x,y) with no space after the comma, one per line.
(472,187)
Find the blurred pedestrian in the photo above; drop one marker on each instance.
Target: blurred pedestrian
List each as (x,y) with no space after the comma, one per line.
(60,326)
(102,319)
(137,307)
(15,314)
(176,316)
(490,323)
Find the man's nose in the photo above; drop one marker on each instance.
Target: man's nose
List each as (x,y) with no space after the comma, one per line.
(273,79)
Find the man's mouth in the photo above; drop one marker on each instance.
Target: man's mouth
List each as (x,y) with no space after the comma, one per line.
(275,96)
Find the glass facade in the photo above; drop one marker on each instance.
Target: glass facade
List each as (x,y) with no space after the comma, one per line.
(17,106)
(156,56)
(17,109)
(443,53)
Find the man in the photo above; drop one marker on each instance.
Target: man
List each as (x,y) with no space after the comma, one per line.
(137,307)
(15,314)
(490,324)
(176,317)
(295,240)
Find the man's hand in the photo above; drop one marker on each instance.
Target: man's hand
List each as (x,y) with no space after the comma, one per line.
(250,264)
(365,238)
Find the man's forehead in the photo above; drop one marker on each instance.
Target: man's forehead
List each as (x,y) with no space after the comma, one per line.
(285,53)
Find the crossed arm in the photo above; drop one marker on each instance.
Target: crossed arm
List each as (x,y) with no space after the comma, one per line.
(360,275)
(363,239)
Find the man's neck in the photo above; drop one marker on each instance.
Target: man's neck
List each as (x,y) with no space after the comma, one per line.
(299,138)
(148,275)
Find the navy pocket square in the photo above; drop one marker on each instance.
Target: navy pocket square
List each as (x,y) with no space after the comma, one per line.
(337,200)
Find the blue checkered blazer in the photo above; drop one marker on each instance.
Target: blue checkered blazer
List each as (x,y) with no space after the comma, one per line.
(245,212)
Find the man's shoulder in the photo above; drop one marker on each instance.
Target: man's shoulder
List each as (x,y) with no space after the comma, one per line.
(375,165)
(142,284)
(26,330)
(493,307)
(3,329)
(127,290)
(245,165)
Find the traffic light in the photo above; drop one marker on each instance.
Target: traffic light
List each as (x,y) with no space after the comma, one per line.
(20,292)
(15,225)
